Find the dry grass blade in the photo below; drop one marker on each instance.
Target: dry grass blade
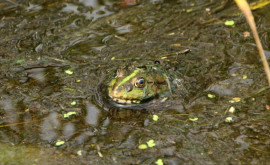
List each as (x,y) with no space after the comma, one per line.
(244,7)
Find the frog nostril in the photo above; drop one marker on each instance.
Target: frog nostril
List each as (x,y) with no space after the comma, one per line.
(156,62)
(120,73)
(129,88)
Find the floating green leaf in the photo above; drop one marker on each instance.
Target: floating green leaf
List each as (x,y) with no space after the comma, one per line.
(211,96)
(73,103)
(59,143)
(79,152)
(143,146)
(229,23)
(244,76)
(69,89)
(68,72)
(20,61)
(228,119)
(193,119)
(66,115)
(189,10)
(159,162)
(232,110)
(151,143)
(155,117)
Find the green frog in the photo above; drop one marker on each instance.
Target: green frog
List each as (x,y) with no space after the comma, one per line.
(141,84)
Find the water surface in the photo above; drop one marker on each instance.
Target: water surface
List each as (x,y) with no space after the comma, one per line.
(40,41)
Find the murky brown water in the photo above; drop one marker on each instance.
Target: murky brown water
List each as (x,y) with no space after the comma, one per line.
(40,40)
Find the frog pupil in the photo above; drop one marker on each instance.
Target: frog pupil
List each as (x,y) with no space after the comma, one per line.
(140,82)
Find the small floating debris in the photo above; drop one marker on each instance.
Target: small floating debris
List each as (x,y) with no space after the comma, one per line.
(67,115)
(120,38)
(267,107)
(59,143)
(211,96)
(155,117)
(113,58)
(68,72)
(193,119)
(244,77)
(151,143)
(229,23)
(79,152)
(246,34)
(159,162)
(69,89)
(232,110)
(228,119)
(176,45)
(73,103)
(20,61)
(100,154)
(164,99)
(189,10)
(77,81)
(142,146)
(235,100)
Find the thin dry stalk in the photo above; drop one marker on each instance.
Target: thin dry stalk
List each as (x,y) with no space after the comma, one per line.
(244,7)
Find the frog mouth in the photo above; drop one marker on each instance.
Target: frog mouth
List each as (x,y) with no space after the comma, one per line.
(130,101)
(125,101)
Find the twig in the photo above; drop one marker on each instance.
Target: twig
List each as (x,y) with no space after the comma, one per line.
(244,7)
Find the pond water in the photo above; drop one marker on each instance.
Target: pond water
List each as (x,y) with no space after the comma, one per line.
(54,55)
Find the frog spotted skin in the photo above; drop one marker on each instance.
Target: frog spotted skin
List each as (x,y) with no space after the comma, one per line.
(136,85)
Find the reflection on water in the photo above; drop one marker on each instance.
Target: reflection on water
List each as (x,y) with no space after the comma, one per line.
(95,9)
(37,74)
(49,127)
(92,114)
(68,130)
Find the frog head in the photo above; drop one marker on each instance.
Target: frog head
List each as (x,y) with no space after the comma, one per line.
(134,85)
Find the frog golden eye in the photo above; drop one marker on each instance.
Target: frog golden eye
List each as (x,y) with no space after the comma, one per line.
(139,82)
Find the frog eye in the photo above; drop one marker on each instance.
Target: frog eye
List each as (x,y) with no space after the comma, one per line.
(139,82)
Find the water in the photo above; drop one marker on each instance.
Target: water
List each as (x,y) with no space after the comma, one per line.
(41,40)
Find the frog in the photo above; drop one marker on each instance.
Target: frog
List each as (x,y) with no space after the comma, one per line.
(139,84)
(143,84)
